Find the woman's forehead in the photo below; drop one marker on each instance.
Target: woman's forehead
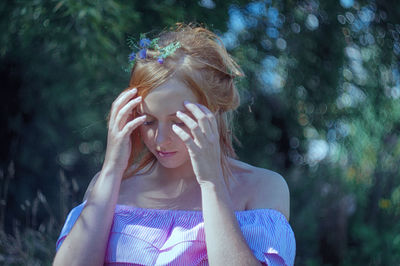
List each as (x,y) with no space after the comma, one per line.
(167,98)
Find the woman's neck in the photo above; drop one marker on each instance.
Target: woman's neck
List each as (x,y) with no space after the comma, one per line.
(169,176)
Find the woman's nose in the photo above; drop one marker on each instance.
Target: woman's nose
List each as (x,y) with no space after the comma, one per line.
(163,134)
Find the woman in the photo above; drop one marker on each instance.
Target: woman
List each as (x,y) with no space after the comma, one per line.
(170,191)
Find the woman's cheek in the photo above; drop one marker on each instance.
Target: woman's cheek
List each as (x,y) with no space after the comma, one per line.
(147,134)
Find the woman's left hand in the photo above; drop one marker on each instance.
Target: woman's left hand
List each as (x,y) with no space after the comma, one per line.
(203,145)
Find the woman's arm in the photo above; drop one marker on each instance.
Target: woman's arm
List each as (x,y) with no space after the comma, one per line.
(225,242)
(86,243)
(90,186)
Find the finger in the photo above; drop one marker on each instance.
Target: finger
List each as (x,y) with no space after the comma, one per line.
(121,100)
(210,116)
(185,137)
(132,125)
(192,125)
(125,111)
(201,117)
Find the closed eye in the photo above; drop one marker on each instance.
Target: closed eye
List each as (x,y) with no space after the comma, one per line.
(152,122)
(148,123)
(180,124)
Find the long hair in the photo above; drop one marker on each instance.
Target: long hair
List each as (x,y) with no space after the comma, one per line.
(204,65)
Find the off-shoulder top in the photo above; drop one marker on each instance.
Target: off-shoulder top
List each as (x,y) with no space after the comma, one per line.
(141,236)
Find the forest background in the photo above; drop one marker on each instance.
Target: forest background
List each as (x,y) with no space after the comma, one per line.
(320,105)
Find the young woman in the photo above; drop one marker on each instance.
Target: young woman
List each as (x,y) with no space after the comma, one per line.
(170,191)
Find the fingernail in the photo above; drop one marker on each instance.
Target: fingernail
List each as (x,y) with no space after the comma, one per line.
(139,98)
(178,112)
(134,90)
(186,102)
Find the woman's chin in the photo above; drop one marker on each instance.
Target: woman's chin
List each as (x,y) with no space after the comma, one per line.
(172,163)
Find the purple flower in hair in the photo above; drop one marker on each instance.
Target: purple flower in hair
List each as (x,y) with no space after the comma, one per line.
(132,56)
(142,53)
(144,43)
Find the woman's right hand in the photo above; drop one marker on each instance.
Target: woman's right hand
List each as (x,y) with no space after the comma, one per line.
(120,128)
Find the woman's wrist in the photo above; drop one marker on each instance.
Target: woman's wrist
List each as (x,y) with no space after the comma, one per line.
(114,171)
(215,185)
(106,188)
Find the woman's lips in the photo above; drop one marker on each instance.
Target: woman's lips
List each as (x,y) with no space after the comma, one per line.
(166,154)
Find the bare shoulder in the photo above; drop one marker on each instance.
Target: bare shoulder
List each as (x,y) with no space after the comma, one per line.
(266,189)
(125,181)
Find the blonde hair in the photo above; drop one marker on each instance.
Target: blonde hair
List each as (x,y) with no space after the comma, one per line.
(205,66)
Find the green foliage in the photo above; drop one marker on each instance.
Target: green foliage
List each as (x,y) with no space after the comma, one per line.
(29,247)
(320,101)
(332,90)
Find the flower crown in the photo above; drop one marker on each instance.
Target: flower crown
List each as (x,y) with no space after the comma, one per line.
(145,44)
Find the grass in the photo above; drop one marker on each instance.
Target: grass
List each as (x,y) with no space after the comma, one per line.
(30,243)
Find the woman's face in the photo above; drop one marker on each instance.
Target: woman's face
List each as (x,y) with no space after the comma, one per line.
(160,107)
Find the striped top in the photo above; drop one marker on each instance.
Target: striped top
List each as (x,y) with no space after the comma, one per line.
(141,236)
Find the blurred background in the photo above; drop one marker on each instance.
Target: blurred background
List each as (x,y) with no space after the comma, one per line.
(320,105)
